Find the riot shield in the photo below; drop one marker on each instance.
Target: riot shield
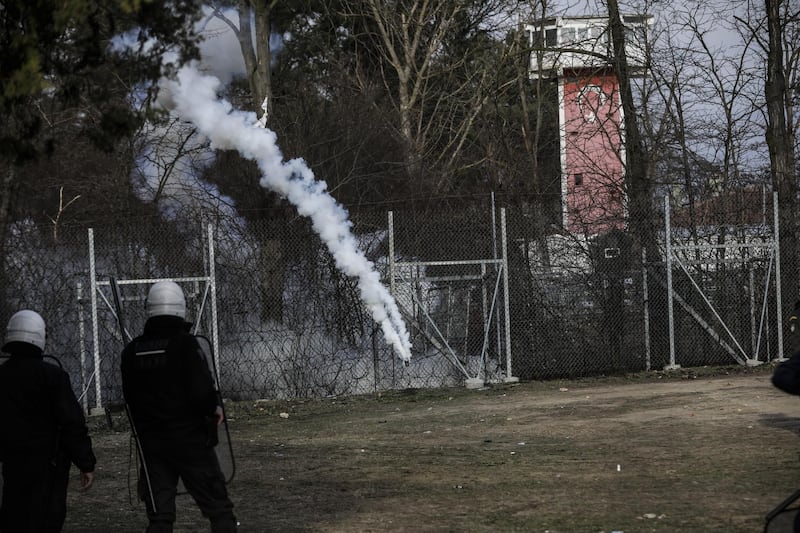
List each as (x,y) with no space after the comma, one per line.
(224,446)
(785,517)
(142,463)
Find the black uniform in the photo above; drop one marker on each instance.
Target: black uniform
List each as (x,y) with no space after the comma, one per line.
(170,392)
(787,374)
(43,431)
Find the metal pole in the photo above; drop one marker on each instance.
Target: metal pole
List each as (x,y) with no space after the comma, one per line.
(126,337)
(212,281)
(494,256)
(82,337)
(751,287)
(494,230)
(95,330)
(487,320)
(646,311)
(390,222)
(668,245)
(778,296)
(504,244)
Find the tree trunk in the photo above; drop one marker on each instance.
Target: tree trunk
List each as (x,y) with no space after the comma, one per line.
(639,186)
(531,136)
(781,151)
(8,184)
(257,58)
(257,55)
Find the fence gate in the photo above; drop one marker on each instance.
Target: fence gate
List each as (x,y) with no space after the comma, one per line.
(438,300)
(201,301)
(753,249)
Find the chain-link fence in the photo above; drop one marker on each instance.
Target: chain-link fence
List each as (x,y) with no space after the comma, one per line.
(484,297)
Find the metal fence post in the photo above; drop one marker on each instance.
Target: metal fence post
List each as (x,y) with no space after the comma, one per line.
(392,290)
(506,300)
(671,316)
(212,281)
(98,400)
(390,222)
(82,340)
(778,296)
(645,311)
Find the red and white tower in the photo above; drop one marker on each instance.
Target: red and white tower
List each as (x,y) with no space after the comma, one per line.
(577,53)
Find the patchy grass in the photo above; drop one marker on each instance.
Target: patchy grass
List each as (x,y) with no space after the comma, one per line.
(697,450)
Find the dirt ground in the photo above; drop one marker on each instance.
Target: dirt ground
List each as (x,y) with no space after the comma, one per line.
(688,451)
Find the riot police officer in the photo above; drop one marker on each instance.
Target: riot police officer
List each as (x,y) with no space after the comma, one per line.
(43,432)
(175,411)
(787,374)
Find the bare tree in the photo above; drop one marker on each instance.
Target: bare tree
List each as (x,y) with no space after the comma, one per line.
(436,83)
(532,126)
(253,29)
(707,89)
(780,134)
(639,183)
(774,26)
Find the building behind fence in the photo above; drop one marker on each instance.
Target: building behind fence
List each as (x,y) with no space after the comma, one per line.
(481,300)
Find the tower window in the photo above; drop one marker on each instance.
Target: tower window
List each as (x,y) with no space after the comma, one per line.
(550,38)
(578,180)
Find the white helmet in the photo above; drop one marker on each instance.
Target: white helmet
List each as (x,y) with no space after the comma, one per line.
(165,298)
(26,326)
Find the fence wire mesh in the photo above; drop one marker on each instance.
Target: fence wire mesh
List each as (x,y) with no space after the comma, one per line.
(290,324)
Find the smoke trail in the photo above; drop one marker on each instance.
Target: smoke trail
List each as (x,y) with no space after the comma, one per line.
(193,97)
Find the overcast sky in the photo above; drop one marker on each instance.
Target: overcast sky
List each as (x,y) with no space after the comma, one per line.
(714,19)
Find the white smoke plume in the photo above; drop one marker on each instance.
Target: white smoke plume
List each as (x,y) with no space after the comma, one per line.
(192,96)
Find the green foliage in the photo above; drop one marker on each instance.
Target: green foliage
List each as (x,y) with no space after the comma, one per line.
(57,60)
(32,35)
(25,80)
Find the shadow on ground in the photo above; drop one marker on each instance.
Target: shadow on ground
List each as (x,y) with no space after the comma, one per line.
(781,421)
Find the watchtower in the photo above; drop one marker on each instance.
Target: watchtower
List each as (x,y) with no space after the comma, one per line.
(576,52)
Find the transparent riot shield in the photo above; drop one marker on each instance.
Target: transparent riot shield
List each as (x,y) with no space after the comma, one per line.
(785,517)
(224,446)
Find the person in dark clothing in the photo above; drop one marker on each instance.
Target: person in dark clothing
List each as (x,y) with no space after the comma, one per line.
(786,376)
(43,432)
(175,411)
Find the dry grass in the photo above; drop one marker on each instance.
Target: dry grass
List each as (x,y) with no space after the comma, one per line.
(693,451)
